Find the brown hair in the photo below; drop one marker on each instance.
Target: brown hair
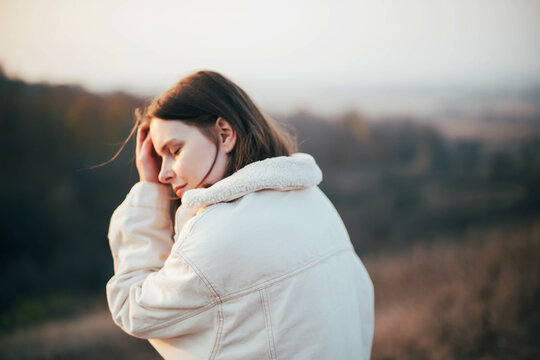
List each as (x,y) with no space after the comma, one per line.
(200,98)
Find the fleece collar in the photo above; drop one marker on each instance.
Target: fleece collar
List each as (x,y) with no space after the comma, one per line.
(282,173)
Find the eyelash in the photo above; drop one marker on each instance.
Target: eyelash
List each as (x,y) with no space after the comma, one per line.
(176,152)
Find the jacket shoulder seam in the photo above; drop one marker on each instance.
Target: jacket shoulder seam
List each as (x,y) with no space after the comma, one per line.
(183,317)
(200,275)
(269,282)
(208,306)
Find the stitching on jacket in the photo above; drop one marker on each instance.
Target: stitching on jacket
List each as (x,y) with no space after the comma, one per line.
(268,322)
(253,287)
(216,301)
(211,287)
(200,274)
(269,282)
(178,251)
(263,306)
(179,318)
(217,342)
(256,287)
(187,231)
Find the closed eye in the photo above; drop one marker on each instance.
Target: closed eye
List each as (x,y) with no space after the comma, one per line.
(175,151)
(172,147)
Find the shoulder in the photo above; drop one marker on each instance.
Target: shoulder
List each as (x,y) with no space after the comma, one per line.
(263,208)
(261,220)
(261,235)
(282,212)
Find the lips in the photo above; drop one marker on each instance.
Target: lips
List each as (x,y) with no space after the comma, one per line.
(178,189)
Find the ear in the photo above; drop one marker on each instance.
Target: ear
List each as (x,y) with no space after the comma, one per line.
(227,135)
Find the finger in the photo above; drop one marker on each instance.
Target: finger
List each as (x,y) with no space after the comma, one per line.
(145,147)
(148,153)
(148,149)
(153,151)
(142,133)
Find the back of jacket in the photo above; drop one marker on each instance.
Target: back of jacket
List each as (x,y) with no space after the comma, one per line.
(270,274)
(287,257)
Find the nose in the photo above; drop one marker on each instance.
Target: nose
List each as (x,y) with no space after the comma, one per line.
(166,174)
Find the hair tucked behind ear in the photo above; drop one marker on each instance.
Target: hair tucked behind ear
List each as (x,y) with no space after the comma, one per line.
(199,99)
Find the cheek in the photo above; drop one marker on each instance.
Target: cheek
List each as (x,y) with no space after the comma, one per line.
(190,164)
(195,159)
(181,166)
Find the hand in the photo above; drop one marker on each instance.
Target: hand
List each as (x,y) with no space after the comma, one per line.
(147,160)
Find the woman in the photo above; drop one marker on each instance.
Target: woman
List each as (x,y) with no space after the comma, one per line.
(258,263)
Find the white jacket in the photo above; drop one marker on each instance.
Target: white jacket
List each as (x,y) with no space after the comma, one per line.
(260,266)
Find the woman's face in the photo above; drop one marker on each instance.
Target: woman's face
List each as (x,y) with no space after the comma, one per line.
(187,155)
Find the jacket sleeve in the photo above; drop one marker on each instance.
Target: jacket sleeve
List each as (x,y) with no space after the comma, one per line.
(153,291)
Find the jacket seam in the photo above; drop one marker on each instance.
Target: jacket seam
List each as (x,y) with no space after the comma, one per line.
(257,287)
(176,249)
(179,318)
(217,341)
(272,281)
(191,222)
(218,302)
(208,306)
(201,275)
(268,322)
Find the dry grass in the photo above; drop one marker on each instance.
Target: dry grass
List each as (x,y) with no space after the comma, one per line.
(475,299)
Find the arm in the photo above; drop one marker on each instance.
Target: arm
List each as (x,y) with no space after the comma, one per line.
(152,291)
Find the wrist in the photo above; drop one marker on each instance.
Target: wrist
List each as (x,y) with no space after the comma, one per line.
(145,177)
(150,194)
(149,180)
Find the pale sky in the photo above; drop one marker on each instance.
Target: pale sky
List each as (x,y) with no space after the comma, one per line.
(282,51)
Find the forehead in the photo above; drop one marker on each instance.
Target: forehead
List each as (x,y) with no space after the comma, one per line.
(164,130)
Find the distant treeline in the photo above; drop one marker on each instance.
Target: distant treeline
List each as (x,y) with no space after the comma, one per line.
(398,182)
(394,182)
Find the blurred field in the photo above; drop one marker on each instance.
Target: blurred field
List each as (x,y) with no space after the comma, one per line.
(475,298)
(444,211)
(90,336)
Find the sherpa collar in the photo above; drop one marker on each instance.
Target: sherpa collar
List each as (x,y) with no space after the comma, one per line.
(282,173)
